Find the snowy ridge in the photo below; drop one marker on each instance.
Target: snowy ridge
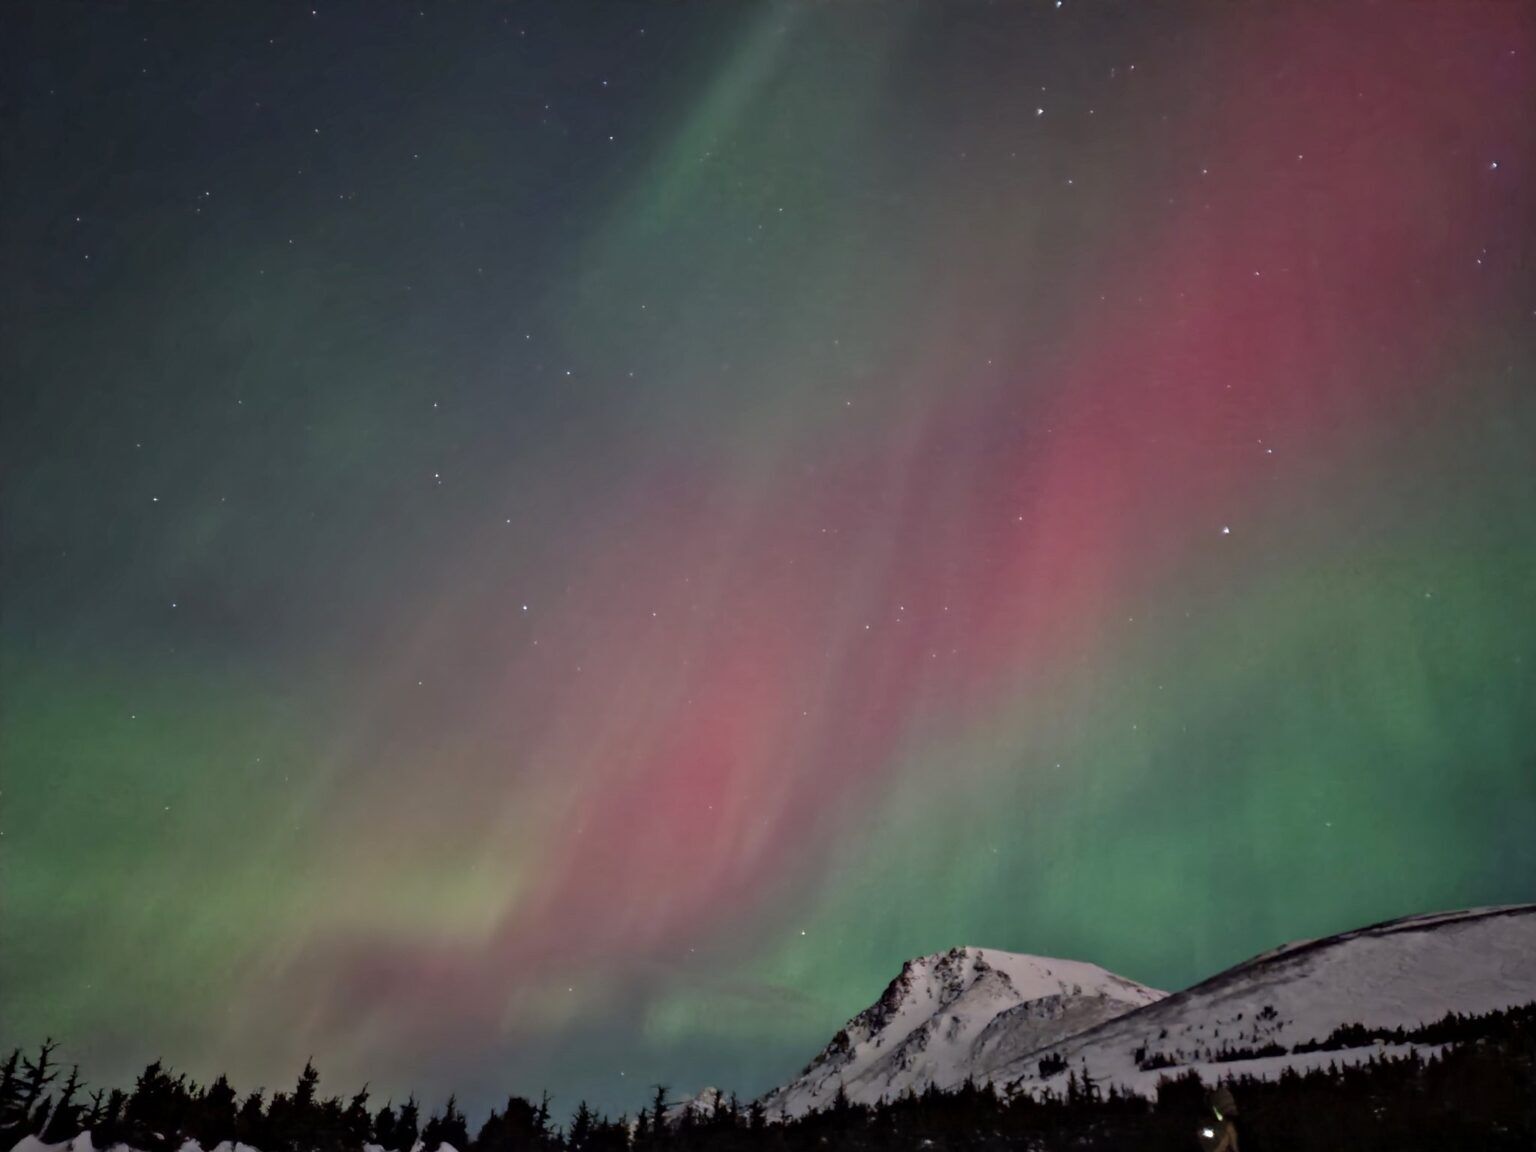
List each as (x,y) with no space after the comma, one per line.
(966,1012)
(1248,1019)
(84,1143)
(701,1105)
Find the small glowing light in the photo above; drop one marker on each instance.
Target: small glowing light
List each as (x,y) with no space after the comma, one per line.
(1207,1133)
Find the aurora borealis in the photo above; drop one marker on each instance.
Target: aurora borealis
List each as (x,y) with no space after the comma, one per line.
(554,544)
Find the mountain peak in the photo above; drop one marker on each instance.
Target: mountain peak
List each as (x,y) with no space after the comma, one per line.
(956,1014)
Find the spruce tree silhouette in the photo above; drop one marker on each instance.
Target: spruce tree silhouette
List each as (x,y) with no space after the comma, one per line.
(251,1121)
(62,1118)
(660,1135)
(10,1094)
(449,1128)
(216,1112)
(22,1118)
(578,1136)
(407,1127)
(385,1127)
(356,1121)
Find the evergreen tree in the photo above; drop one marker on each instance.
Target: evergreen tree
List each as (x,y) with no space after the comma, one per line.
(455,1128)
(215,1114)
(541,1117)
(521,1126)
(157,1110)
(579,1135)
(91,1117)
(329,1127)
(306,1090)
(449,1128)
(295,1120)
(107,1128)
(1090,1085)
(492,1136)
(62,1120)
(840,1103)
(406,1129)
(251,1121)
(722,1111)
(10,1096)
(36,1075)
(356,1121)
(386,1128)
(659,1132)
(609,1136)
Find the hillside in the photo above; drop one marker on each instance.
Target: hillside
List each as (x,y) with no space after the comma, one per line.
(1251,1019)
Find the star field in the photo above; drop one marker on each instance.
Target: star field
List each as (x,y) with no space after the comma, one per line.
(555,545)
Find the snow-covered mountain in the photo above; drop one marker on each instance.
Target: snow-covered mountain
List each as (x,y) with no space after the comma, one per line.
(1251,1018)
(1024,1023)
(701,1105)
(966,1012)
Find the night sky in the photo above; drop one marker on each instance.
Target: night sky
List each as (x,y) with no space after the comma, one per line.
(554,544)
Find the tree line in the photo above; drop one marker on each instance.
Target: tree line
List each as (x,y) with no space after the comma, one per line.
(1477,1091)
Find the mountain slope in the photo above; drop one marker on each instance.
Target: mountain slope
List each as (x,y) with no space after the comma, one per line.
(1249,1019)
(966,1012)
